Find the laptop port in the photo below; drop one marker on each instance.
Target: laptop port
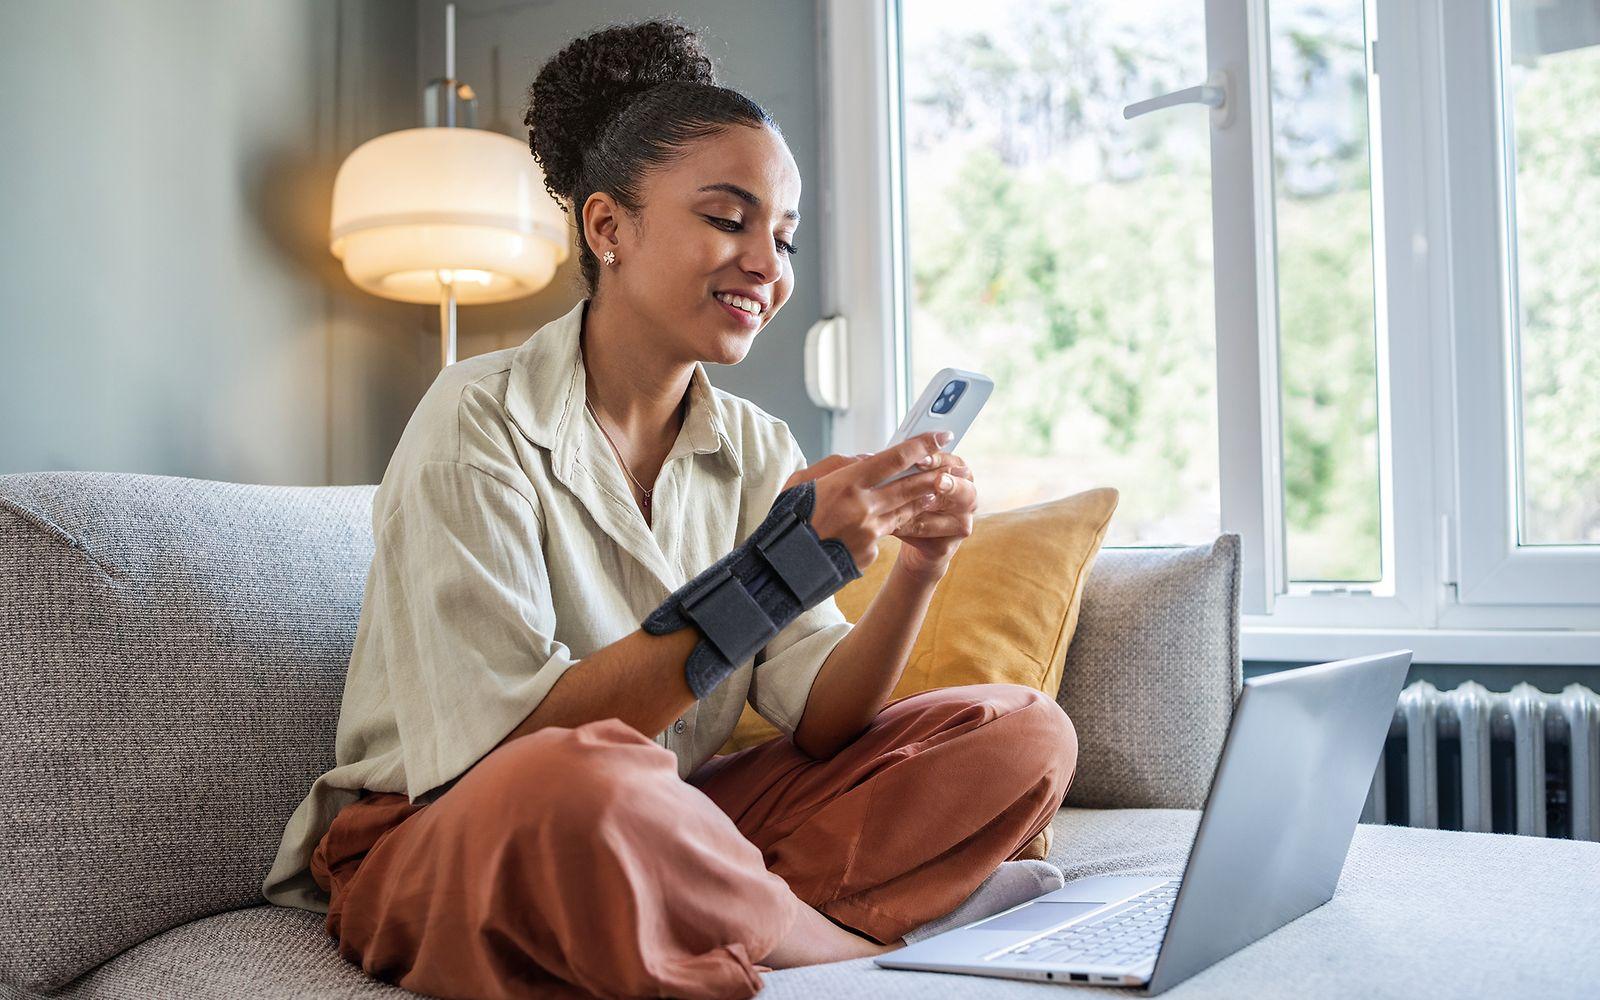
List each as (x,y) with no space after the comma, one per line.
(1079,977)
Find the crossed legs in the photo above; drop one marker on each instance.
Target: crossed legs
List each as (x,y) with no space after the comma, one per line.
(577,856)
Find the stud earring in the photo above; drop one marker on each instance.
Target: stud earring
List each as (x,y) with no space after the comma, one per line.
(609,257)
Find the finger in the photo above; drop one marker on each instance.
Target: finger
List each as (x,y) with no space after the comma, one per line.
(830,464)
(955,465)
(901,520)
(910,489)
(882,465)
(962,498)
(931,525)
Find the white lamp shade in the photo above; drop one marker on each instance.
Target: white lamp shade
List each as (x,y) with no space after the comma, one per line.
(465,201)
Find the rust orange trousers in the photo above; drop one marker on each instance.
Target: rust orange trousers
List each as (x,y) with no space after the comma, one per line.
(575,861)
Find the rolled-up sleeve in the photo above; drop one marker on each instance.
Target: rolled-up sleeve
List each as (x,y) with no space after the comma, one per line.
(461,612)
(786,667)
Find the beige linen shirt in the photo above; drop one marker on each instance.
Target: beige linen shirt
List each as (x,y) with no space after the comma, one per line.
(508,547)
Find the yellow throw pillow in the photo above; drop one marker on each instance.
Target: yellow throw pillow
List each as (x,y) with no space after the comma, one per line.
(1005,610)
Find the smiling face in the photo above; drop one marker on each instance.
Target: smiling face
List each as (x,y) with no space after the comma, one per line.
(719,219)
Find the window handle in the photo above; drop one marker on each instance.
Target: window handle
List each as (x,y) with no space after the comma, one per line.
(1213,93)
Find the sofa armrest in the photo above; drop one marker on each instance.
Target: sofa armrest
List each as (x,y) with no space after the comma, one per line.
(172,652)
(1152,674)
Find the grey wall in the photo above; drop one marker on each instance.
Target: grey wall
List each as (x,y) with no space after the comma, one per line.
(766,49)
(167,300)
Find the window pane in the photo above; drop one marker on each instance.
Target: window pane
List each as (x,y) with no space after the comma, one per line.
(1066,252)
(1327,296)
(1552,82)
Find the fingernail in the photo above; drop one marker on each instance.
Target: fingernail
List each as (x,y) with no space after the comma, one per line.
(945,482)
(928,501)
(944,437)
(926,461)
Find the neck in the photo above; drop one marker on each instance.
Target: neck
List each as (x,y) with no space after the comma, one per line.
(630,378)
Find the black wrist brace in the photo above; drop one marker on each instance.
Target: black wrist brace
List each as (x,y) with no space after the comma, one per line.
(745,598)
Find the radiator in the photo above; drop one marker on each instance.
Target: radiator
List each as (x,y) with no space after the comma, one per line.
(1519,761)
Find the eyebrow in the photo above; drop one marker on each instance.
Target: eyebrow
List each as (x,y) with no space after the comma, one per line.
(746,196)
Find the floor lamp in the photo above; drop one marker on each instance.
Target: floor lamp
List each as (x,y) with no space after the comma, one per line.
(448,213)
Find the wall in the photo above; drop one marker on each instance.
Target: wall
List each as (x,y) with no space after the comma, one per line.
(767,50)
(167,300)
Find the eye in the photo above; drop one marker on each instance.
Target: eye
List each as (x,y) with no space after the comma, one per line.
(733,227)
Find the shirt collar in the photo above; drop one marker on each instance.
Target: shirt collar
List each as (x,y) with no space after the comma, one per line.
(547,389)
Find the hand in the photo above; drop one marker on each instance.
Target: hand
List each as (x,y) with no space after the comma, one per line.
(942,521)
(852,508)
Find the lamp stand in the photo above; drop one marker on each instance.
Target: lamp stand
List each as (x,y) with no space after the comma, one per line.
(445,93)
(447,319)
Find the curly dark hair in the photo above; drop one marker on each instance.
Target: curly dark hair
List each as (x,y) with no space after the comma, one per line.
(614,104)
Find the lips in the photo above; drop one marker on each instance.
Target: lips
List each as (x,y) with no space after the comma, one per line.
(746,293)
(748,320)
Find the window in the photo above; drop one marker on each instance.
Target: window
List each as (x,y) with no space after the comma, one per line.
(1523,160)
(1290,316)
(1550,96)
(1066,254)
(1330,283)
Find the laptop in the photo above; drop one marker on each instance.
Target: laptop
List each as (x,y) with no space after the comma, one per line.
(1287,792)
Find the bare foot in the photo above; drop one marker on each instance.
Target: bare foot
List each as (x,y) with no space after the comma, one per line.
(814,939)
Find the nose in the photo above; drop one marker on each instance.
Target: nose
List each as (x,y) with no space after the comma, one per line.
(763,264)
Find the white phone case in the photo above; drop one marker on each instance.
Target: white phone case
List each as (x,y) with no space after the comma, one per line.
(920,418)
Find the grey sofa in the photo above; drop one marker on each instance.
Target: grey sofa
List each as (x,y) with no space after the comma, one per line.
(173,652)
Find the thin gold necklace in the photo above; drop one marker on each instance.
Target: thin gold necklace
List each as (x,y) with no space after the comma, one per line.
(645,506)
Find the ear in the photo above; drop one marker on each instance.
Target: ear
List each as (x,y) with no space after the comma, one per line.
(601,220)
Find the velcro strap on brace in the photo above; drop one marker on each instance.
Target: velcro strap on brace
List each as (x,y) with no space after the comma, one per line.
(728,616)
(793,551)
(744,599)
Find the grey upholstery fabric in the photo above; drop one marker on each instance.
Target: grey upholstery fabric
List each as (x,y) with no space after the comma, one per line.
(1418,913)
(173,652)
(260,951)
(1152,674)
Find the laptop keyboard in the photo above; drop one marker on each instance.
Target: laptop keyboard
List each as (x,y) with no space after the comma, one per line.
(1123,937)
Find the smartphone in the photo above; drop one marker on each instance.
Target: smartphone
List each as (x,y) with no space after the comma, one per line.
(950,403)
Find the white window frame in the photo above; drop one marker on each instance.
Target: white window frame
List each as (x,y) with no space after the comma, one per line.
(1492,568)
(1416,605)
(863,275)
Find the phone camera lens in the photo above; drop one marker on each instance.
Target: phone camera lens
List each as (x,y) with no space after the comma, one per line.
(948,396)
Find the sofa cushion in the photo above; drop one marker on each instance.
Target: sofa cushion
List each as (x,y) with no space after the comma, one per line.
(173,652)
(1418,913)
(1152,674)
(1005,611)
(261,952)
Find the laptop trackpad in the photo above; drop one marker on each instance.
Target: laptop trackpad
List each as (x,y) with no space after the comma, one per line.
(1035,917)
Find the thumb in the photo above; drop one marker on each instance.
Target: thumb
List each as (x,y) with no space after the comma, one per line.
(818,470)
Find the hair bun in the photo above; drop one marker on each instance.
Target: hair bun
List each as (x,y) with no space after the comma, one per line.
(589,81)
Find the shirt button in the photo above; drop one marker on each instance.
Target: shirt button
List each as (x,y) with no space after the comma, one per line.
(678,726)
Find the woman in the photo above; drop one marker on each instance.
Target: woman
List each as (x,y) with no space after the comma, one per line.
(500,822)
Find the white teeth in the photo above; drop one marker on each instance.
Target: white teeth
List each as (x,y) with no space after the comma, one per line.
(748,305)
